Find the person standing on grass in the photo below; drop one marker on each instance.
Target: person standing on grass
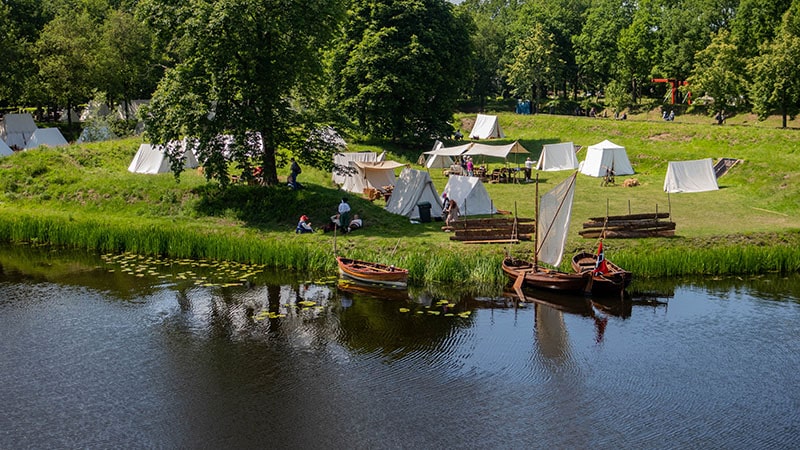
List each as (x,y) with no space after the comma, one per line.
(528,168)
(295,171)
(344,215)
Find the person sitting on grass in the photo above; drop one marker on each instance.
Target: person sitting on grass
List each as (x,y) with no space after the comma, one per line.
(304,225)
(355,224)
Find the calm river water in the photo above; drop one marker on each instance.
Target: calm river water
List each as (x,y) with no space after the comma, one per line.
(119,351)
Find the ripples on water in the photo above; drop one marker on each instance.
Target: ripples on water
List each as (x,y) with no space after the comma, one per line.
(100,359)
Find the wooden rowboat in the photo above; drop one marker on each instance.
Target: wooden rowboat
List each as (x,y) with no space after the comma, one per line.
(612,282)
(372,273)
(545,279)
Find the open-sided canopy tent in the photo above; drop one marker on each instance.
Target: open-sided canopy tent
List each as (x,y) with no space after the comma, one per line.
(152,159)
(342,160)
(371,175)
(486,127)
(470,195)
(5,150)
(496,151)
(50,137)
(690,176)
(603,157)
(17,129)
(412,187)
(557,157)
(433,160)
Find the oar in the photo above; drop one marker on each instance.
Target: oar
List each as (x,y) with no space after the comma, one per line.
(518,285)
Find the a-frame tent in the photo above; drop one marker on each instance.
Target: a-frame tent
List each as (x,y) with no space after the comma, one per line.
(17,129)
(412,187)
(557,157)
(341,164)
(5,150)
(152,159)
(605,156)
(368,174)
(433,159)
(690,176)
(486,127)
(50,137)
(470,194)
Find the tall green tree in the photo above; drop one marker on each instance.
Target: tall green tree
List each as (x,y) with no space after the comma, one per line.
(636,48)
(13,49)
(534,65)
(399,68)
(249,69)
(718,71)
(596,45)
(63,54)
(776,72)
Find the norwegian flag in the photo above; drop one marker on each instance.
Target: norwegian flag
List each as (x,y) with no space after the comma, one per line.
(600,267)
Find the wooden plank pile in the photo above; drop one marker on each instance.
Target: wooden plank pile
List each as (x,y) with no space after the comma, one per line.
(629,226)
(492,230)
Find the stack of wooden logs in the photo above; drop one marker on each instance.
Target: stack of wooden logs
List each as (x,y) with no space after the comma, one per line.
(499,230)
(629,226)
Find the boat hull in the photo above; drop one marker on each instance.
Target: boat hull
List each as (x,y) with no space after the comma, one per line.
(544,279)
(372,273)
(612,283)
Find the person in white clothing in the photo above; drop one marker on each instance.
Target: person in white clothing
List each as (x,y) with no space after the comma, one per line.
(344,214)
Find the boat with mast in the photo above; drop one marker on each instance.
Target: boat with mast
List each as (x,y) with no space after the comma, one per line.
(552,224)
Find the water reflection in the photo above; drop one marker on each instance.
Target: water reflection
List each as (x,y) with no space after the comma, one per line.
(177,353)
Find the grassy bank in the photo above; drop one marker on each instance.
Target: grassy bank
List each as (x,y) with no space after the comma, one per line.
(83,196)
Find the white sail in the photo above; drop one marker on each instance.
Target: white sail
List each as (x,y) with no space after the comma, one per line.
(555,209)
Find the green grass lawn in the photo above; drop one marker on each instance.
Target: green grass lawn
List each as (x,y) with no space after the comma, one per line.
(759,197)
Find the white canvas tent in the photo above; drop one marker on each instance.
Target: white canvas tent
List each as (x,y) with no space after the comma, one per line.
(433,159)
(690,176)
(603,157)
(95,133)
(371,175)
(152,159)
(50,137)
(496,151)
(343,160)
(557,157)
(412,187)
(5,150)
(470,195)
(17,129)
(486,127)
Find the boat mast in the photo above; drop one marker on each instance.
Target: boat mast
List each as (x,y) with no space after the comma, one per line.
(536,224)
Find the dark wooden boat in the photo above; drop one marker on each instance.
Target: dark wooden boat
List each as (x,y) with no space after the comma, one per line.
(612,282)
(538,277)
(372,273)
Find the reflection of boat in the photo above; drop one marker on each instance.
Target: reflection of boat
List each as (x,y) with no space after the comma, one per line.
(372,290)
(552,224)
(574,304)
(612,280)
(621,306)
(372,273)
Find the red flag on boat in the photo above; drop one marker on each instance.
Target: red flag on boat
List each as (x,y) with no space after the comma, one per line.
(600,266)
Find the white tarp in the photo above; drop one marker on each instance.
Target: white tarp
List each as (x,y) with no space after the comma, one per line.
(343,160)
(412,187)
(605,156)
(470,195)
(496,151)
(486,127)
(555,209)
(690,176)
(557,157)
(153,159)
(451,151)
(50,137)
(371,175)
(17,129)
(5,150)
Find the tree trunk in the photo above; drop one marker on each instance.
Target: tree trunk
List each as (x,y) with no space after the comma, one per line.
(783,108)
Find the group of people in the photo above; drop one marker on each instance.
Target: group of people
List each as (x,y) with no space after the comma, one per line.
(340,221)
(669,117)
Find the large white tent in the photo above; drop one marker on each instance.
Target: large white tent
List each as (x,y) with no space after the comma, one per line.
(496,151)
(470,195)
(486,127)
(342,161)
(50,137)
(412,187)
(557,157)
(605,156)
(371,175)
(17,129)
(152,159)
(5,150)
(433,160)
(690,176)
